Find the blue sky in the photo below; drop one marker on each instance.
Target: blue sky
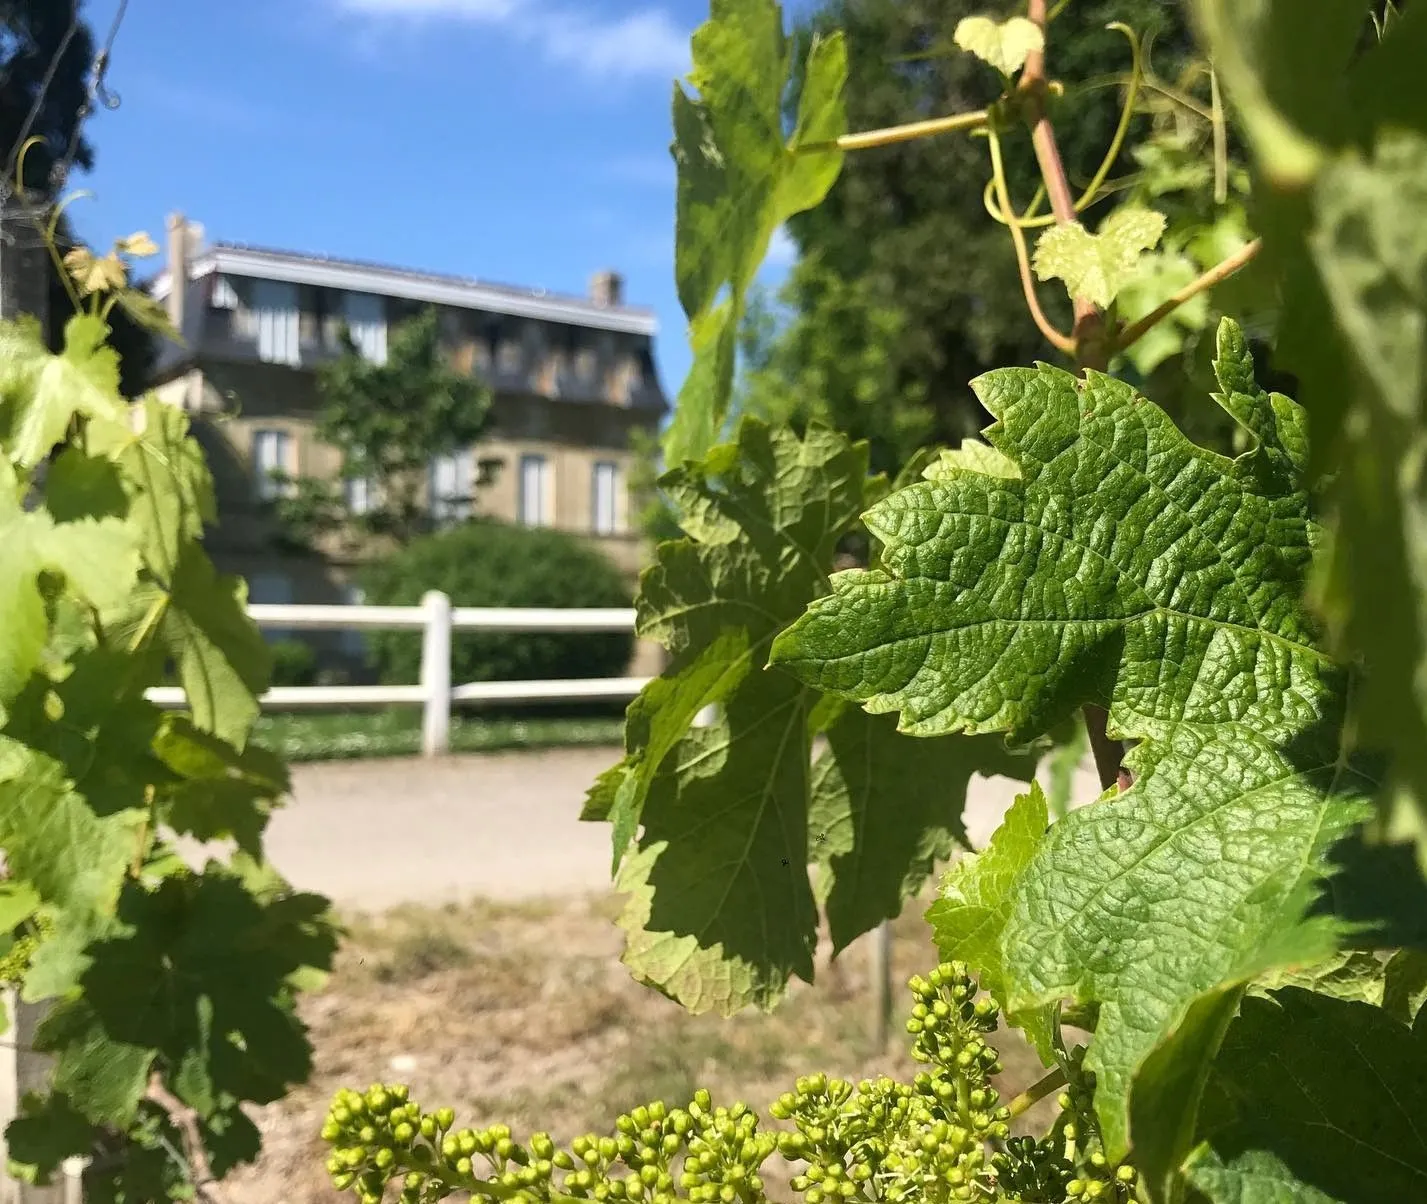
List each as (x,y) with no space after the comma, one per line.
(519,141)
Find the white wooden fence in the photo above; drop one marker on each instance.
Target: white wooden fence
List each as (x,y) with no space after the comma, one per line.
(436,619)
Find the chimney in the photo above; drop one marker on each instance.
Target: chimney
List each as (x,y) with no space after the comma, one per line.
(607,289)
(177,269)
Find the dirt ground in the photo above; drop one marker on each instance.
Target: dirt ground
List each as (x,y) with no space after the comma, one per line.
(517,1008)
(522,1013)
(378,833)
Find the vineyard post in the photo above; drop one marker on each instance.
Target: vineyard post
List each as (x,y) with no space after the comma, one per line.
(436,674)
(23,1070)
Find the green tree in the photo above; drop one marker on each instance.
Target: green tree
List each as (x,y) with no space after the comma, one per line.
(389,420)
(38,35)
(35,35)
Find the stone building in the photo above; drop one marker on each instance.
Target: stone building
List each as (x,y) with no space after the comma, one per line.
(571,377)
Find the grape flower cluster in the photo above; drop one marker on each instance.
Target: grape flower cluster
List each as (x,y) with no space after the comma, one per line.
(944,1138)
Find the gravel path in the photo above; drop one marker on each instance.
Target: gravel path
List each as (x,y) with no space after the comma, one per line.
(375,833)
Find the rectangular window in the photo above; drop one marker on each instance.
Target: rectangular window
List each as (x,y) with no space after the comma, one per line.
(277,318)
(452,486)
(271,450)
(534,509)
(603,508)
(359,495)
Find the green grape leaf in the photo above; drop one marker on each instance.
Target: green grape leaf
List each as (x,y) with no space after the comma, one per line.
(1404,988)
(18,902)
(95,557)
(764,517)
(219,792)
(1255,1177)
(223,660)
(41,393)
(83,486)
(1314,1098)
(54,839)
(970,914)
(1369,251)
(700,408)
(1157,277)
(887,808)
(1004,44)
(971,456)
(740,177)
(765,514)
(47,1130)
(1097,266)
(1199,876)
(721,911)
(166,480)
(103,1078)
(1349,974)
(1377,893)
(200,976)
(1126,567)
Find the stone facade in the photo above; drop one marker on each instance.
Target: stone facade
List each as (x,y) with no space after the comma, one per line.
(572,379)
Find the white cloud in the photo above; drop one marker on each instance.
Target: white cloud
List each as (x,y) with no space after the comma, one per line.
(641,43)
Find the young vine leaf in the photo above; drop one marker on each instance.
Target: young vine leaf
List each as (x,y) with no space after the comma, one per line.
(1097,266)
(96,557)
(974,904)
(721,911)
(868,763)
(740,178)
(41,393)
(1123,566)
(222,659)
(1314,1099)
(1005,45)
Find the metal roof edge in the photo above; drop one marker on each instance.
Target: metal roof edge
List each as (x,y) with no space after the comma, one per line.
(408,285)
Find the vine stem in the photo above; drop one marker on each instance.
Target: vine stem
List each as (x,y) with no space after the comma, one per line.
(1090,343)
(900,133)
(1219,272)
(1061,341)
(185,1119)
(1037,1091)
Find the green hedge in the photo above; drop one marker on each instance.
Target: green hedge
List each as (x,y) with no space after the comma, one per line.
(294,663)
(482,563)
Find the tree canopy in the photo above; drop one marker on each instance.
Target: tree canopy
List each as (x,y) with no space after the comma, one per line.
(389,420)
(36,35)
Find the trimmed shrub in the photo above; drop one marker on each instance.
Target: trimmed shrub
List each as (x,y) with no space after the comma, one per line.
(483,563)
(294,663)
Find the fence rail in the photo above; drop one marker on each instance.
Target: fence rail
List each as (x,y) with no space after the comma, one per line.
(436,619)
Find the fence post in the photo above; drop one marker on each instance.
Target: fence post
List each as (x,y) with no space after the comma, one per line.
(22,1070)
(436,674)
